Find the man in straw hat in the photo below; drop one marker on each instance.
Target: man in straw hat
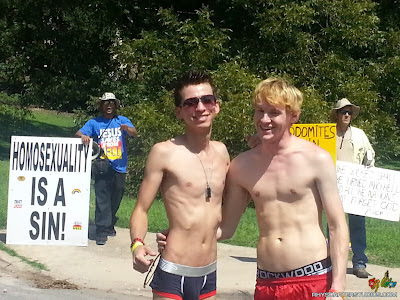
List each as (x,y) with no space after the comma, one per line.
(352,145)
(109,131)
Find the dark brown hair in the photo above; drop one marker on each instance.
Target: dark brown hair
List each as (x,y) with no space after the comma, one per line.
(191,78)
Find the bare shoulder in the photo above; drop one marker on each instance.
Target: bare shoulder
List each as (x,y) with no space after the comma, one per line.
(161,147)
(220,148)
(313,153)
(244,160)
(164,149)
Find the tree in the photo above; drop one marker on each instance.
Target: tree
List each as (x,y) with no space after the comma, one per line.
(64,55)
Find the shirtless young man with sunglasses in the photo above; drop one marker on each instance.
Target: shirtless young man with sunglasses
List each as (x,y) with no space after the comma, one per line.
(190,172)
(291,182)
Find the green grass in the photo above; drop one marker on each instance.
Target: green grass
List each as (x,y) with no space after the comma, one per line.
(157,215)
(383,240)
(392,165)
(4,170)
(247,232)
(11,252)
(383,237)
(39,123)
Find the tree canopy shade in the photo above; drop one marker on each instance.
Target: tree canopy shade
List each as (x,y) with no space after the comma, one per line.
(64,54)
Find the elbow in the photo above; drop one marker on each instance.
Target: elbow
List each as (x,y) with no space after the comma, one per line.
(133,133)
(225,235)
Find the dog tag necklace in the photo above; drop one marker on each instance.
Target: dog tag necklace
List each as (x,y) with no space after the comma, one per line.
(208,188)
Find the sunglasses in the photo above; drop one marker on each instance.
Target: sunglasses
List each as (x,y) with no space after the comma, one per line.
(207,100)
(344,112)
(109,102)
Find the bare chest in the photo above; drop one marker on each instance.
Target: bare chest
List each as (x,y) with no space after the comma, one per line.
(190,176)
(285,182)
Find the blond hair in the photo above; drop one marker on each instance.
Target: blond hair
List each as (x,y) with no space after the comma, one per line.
(278,91)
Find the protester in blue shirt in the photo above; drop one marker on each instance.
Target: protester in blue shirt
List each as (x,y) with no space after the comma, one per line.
(109,132)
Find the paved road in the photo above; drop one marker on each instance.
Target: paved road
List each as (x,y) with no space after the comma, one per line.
(105,272)
(16,288)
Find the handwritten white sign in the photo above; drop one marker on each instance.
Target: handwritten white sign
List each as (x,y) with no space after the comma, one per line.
(371,192)
(49,191)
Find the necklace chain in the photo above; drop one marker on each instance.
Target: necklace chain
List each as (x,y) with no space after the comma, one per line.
(208,188)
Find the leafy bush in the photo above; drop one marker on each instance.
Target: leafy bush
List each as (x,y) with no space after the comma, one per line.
(12,116)
(154,123)
(63,57)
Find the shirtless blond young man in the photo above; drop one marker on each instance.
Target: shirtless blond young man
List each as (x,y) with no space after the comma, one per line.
(190,172)
(290,181)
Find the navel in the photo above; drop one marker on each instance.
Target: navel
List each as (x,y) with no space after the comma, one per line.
(257,194)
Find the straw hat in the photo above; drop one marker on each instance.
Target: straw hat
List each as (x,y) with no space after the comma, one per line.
(109,96)
(342,103)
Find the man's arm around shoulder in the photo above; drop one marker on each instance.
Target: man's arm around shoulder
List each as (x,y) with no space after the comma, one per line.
(235,201)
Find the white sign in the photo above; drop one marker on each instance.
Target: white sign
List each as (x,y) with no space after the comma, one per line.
(49,191)
(371,192)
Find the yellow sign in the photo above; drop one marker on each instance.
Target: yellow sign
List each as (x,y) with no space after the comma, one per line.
(323,135)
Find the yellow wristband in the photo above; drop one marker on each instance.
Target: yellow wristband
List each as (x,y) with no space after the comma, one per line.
(136,244)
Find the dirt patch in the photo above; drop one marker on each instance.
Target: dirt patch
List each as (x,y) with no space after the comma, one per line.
(46,282)
(40,280)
